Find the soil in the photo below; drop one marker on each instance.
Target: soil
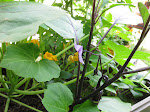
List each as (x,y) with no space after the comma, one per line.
(33,101)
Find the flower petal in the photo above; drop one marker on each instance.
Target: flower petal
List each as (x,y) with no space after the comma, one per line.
(79,49)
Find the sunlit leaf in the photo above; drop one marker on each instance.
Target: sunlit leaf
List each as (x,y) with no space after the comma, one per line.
(144,12)
(113,104)
(128,81)
(21,59)
(57,98)
(128,1)
(22,19)
(124,36)
(122,52)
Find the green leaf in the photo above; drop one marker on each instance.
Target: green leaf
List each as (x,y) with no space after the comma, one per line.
(93,80)
(144,12)
(63,26)
(136,94)
(113,104)
(21,59)
(20,20)
(107,23)
(128,1)
(57,98)
(65,74)
(124,36)
(87,106)
(120,85)
(141,89)
(123,52)
(128,81)
(94,58)
(122,61)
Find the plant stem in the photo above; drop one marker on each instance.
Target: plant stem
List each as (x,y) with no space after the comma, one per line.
(33,87)
(142,78)
(25,105)
(138,70)
(29,92)
(26,85)
(71,5)
(22,82)
(7,105)
(4,83)
(88,73)
(77,82)
(106,33)
(3,90)
(144,86)
(119,74)
(16,101)
(88,49)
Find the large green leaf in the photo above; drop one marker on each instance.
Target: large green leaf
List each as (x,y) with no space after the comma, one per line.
(87,106)
(22,19)
(57,98)
(21,59)
(144,12)
(122,52)
(65,27)
(113,104)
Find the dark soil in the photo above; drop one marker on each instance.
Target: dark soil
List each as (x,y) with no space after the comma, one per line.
(33,101)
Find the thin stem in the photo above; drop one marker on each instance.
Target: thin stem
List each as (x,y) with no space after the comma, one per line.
(1,80)
(106,33)
(71,5)
(88,49)
(29,92)
(88,73)
(132,53)
(99,81)
(4,83)
(26,85)
(25,105)
(144,86)
(77,82)
(3,90)
(142,78)
(39,97)
(119,74)
(77,40)
(138,70)
(33,87)
(22,82)
(7,105)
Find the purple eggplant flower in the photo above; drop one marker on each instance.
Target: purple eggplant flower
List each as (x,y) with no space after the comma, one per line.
(79,49)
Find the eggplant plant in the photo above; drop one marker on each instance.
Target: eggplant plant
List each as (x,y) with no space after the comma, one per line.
(62,64)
